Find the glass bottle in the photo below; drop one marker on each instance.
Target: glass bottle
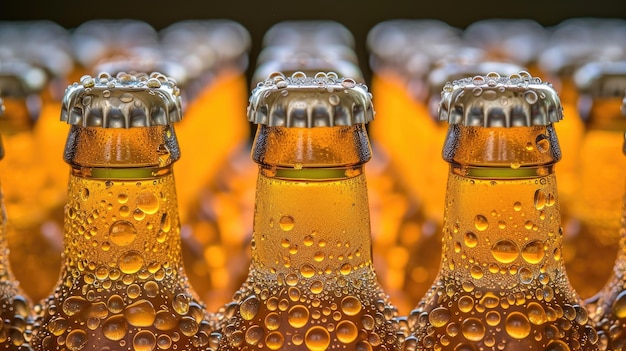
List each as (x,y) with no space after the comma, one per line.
(311,284)
(572,43)
(609,311)
(122,283)
(14,305)
(402,52)
(35,256)
(601,171)
(501,284)
(216,195)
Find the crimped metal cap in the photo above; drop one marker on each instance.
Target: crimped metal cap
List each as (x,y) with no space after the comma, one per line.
(519,40)
(323,100)
(601,79)
(339,59)
(95,40)
(493,101)
(217,40)
(20,79)
(314,32)
(577,41)
(144,60)
(125,101)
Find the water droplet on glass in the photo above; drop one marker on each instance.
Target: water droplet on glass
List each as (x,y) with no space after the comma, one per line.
(140,313)
(470,239)
(473,329)
(76,340)
(542,142)
(122,233)
(144,341)
(517,325)
(286,223)
(533,252)
(317,339)
(298,316)
(115,327)
(147,202)
(439,317)
(505,251)
(249,308)
(346,332)
(466,303)
(131,262)
(481,223)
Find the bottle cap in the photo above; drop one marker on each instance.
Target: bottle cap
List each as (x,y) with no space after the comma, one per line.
(323,100)
(310,60)
(576,41)
(95,40)
(216,41)
(518,100)
(19,79)
(438,77)
(410,46)
(144,60)
(312,32)
(519,40)
(124,101)
(601,79)
(42,43)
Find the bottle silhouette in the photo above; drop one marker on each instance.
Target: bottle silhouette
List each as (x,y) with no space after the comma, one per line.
(35,255)
(215,202)
(311,284)
(501,284)
(573,43)
(402,53)
(14,305)
(600,172)
(608,312)
(122,283)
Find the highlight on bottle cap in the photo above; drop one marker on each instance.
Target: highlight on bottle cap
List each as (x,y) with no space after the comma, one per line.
(601,79)
(20,79)
(123,101)
(322,100)
(518,100)
(439,76)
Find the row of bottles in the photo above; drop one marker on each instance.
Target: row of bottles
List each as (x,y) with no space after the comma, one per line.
(311,283)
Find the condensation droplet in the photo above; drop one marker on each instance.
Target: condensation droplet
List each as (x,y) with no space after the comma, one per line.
(543,144)
(470,239)
(298,316)
(517,325)
(351,306)
(346,331)
(439,317)
(473,329)
(533,252)
(466,303)
(505,251)
(286,223)
(148,202)
(249,308)
(131,262)
(317,339)
(140,313)
(122,233)
(481,223)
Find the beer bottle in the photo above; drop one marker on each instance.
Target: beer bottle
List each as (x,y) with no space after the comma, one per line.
(122,283)
(501,284)
(402,52)
(14,305)
(35,256)
(608,313)
(601,172)
(311,284)
(218,89)
(217,193)
(425,254)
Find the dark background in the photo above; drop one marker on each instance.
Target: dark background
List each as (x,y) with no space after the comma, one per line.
(359,16)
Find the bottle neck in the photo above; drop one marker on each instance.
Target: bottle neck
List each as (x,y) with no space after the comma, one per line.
(312,211)
(121,215)
(605,114)
(16,118)
(502,220)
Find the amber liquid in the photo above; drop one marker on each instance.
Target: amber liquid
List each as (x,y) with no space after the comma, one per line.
(14,306)
(311,284)
(502,284)
(410,191)
(122,285)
